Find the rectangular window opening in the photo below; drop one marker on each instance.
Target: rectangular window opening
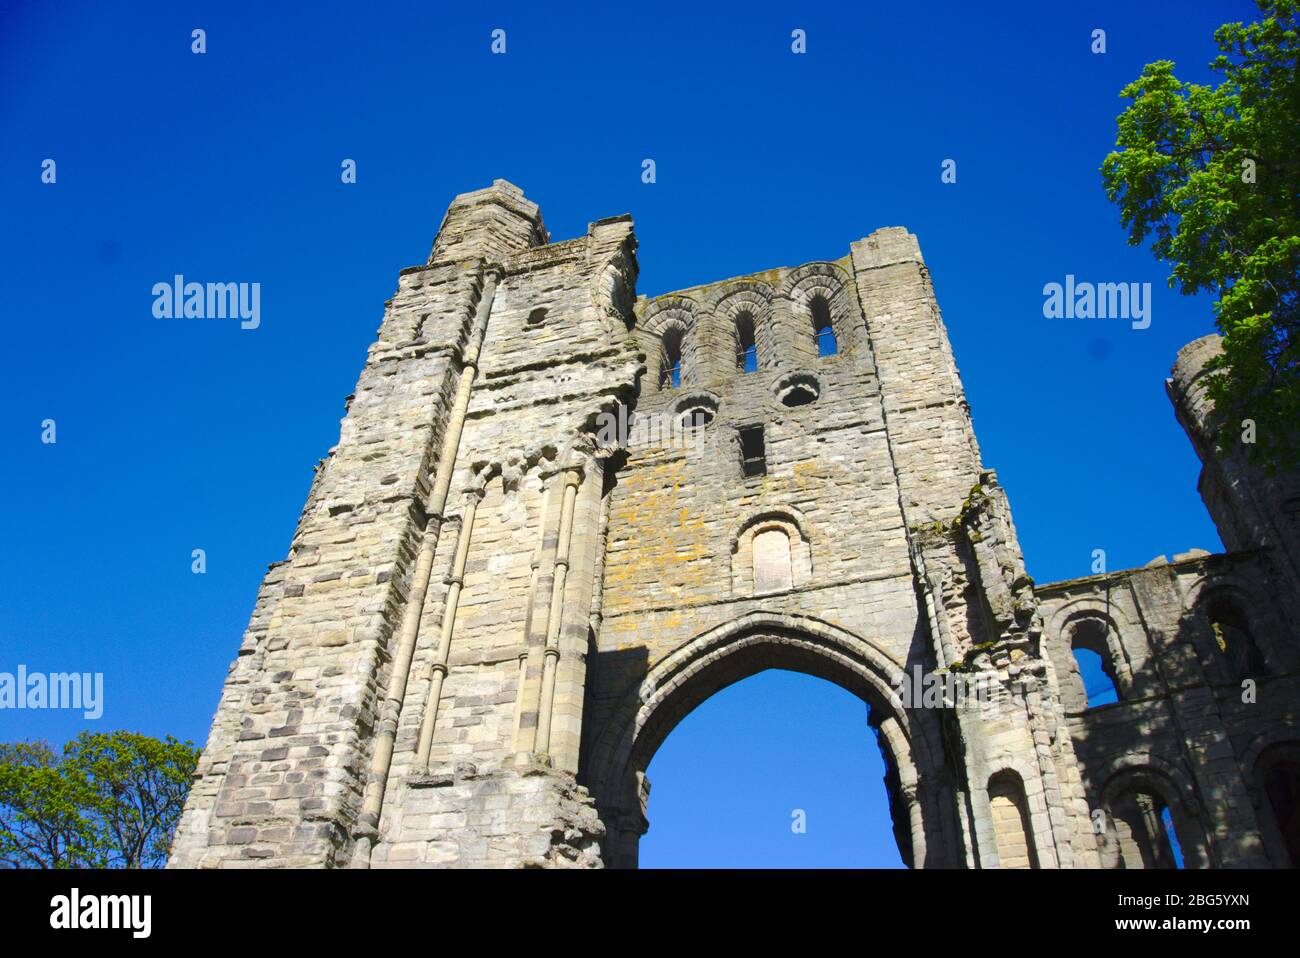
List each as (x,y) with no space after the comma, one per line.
(753,455)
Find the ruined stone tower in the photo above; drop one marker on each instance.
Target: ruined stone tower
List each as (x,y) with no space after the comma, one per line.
(495,607)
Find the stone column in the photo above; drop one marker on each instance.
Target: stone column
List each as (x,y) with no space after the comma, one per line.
(381,755)
(555,614)
(438,669)
(532,664)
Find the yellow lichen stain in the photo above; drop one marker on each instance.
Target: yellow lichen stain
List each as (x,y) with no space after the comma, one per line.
(811,475)
(666,542)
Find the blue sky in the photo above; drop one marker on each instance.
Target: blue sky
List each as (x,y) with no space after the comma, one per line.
(174,436)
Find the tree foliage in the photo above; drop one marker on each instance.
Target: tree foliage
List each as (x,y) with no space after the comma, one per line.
(1211,174)
(111,801)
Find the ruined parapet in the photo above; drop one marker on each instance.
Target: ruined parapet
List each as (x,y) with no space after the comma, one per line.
(1024,781)
(1006,587)
(491,223)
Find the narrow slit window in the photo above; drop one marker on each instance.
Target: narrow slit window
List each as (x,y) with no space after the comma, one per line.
(746,347)
(753,454)
(824,329)
(670,365)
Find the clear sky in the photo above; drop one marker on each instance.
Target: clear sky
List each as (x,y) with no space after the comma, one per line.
(173,436)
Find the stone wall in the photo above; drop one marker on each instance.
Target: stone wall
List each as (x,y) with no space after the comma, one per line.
(1203,656)
(495,608)
(1184,730)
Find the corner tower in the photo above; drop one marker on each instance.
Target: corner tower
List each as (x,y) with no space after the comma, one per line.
(419,651)
(1250,508)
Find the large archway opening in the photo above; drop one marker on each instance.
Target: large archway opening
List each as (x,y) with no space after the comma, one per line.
(779,770)
(918,781)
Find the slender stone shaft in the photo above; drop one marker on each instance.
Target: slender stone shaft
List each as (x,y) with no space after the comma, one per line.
(438,670)
(551,653)
(382,752)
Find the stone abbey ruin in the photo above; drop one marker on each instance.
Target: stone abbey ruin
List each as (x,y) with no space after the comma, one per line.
(491,616)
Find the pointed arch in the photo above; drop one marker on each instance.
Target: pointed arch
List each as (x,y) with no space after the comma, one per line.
(721,656)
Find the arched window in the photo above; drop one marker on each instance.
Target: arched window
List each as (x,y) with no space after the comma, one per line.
(772,570)
(770,554)
(1145,828)
(1011,828)
(670,363)
(746,347)
(1092,656)
(1233,638)
(822,326)
(1282,786)
(1278,775)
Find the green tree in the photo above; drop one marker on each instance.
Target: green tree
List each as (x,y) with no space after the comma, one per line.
(111,801)
(41,820)
(1212,176)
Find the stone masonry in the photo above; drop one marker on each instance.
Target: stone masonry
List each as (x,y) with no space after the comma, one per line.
(560,516)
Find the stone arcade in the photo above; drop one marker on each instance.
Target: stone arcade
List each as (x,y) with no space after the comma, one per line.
(488,621)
